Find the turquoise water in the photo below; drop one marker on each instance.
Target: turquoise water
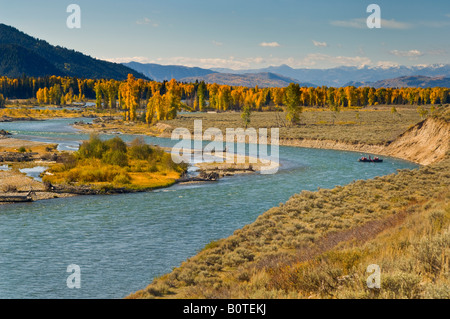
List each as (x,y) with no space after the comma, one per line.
(122,242)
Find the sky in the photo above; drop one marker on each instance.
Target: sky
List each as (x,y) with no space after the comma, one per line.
(243,34)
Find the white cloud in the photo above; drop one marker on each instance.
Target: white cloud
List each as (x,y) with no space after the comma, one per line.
(408,54)
(269,44)
(217,43)
(361,23)
(354,23)
(147,21)
(140,59)
(392,24)
(316,59)
(320,44)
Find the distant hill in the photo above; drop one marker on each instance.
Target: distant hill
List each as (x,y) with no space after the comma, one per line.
(22,54)
(160,73)
(249,80)
(340,76)
(417,81)
(16,60)
(414,81)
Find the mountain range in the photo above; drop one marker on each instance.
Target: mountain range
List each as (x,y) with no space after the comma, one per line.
(161,73)
(263,79)
(407,82)
(340,76)
(22,54)
(396,76)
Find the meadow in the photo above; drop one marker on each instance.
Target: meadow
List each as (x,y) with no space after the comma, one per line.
(370,125)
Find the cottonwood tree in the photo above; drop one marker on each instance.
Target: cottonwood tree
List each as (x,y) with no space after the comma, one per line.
(292,102)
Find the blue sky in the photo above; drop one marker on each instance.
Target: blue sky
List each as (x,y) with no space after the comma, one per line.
(243,34)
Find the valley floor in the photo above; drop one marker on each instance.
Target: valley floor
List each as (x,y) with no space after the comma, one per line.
(319,244)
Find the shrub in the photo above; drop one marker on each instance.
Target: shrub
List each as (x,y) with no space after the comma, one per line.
(122,179)
(115,157)
(94,148)
(430,253)
(401,285)
(347,260)
(139,150)
(437,291)
(116,144)
(68,160)
(437,220)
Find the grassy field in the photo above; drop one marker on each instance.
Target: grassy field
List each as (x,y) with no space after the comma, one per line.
(319,245)
(374,125)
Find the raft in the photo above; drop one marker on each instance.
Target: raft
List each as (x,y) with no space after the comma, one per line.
(366,160)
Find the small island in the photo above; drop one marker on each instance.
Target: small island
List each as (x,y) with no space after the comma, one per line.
(112,166)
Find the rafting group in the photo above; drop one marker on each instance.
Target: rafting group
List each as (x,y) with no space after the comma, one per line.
(370,160)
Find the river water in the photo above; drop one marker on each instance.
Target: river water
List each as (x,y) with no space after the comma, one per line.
(122,242)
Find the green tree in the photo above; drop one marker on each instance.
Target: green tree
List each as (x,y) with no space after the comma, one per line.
(394,111)
(422,111)
(201,95)
(2,101)
(246,114)
(292,100)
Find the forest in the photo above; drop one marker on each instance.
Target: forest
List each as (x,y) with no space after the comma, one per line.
(150,101)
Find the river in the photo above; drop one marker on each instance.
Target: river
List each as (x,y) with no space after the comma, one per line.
(122,242)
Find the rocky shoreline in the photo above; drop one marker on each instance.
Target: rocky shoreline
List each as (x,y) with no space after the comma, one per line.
(17,119)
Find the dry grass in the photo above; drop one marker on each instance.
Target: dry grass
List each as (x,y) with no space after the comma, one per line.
(13,145)
(30,112)
(374,125)
(98,174)
(15,180)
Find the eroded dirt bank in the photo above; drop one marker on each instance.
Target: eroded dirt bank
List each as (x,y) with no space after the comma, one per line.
(425,143)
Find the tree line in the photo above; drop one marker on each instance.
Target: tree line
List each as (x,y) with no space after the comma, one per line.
(150,101)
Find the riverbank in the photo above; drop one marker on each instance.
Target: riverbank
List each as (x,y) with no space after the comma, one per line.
(15,183)
(377,132)
(319,244)
(424,144)
(26,112)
